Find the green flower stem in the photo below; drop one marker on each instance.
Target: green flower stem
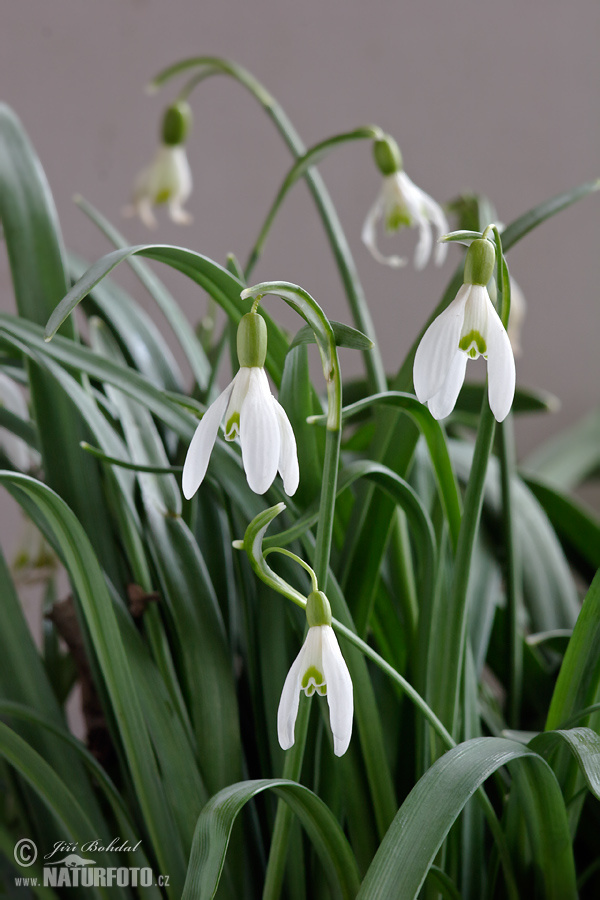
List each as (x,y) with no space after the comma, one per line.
(360,311)
(311,157)
(506,444)
(293,761)
(448,690)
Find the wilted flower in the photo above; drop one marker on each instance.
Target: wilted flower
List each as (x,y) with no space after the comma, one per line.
(252,412)
(401,204)
(468,327)
(168,178)
(318,667)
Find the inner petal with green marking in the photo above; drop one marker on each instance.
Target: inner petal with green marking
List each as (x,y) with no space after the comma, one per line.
(313,680)
(397,217)
(473,344)
(232,426)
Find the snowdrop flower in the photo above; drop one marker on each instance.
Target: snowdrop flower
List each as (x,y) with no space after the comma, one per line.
(15,448)
(320,668)
(468,327)
(168,178)
(401,204)
(252,413)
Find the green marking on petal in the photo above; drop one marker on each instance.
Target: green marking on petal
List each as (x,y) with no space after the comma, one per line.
(163,196)
(397,218)
(232,426)
(473,343)
(312,678)
(322,689)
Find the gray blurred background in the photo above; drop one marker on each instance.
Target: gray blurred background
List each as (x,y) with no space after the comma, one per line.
(495,98)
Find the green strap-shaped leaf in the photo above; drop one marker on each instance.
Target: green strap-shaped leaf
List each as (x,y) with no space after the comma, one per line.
(96,604)
(583,743)
(34,244)
(216,821)
(214,279)
(407,852)
(185,334)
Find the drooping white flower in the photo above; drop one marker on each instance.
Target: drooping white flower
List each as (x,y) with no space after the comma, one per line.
(167,179)
(320,668)
(468,327)
(15,448)
(401,204)
(251,413)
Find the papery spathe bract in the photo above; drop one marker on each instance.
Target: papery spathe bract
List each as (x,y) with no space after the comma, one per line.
(266,436)
(168,179)
(318,667)
(402,204)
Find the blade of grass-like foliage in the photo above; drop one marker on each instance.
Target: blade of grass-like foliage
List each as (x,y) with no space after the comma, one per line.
(534,217)
(54,792)
(436,444)
(345,336)
(23,679)
(34,244)
(80,358)
(26,430)
(167,304)
(583,743)
(407,852)
(568,459)
(88,581)
(68,742)
(577,527)
(216,821)
(300,401)
(549,591)
(143,342)
(215,280)
(578,682)
(189,595)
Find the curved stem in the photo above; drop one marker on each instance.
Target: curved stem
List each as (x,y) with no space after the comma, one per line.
(311,157)
(362,317)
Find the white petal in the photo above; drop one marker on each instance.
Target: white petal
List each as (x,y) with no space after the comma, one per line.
(259,433)
(143,209)
(438,347)
(424,244)
(179,215)
(369,236)
(439,221)
(339,690)
(442,403)
(288,454)
(198,455)
(241,383)
(501,367)
(290,698)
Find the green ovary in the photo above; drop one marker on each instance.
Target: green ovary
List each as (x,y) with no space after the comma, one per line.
(473,344)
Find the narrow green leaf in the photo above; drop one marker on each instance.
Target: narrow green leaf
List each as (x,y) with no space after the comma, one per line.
(568,459)
(90,586)
(407,852)
(216,821)
(583,743)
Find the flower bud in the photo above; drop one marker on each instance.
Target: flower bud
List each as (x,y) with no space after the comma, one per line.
(252,340)
(479,263)
(318,610)
(176,124)
(387,155)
